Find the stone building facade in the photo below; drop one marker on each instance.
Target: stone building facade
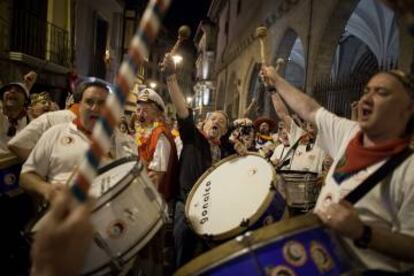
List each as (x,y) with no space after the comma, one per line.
(319,26)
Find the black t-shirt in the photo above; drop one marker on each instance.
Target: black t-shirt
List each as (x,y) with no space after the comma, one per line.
(195,156)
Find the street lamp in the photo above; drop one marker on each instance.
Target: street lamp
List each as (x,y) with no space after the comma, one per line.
(153,84)
(177,59)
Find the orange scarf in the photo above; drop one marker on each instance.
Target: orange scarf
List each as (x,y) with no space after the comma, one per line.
(358,157)
(75,109)
(80,127)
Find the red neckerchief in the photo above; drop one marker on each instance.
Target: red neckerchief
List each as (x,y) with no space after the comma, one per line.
(358,157)
(80,127)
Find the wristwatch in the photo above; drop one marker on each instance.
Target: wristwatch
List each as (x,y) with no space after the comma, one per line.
(365,239)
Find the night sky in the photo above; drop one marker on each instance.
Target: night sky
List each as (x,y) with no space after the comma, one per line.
(188,12)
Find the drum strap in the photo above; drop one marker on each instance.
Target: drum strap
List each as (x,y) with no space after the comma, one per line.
(369,183)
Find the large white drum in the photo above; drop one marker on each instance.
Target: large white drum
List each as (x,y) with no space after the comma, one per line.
(236,194)
(128,213)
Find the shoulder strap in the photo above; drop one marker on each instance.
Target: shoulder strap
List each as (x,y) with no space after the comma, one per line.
(377,176)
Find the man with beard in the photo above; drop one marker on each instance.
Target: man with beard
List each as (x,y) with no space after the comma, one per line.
(201,149)
(156,145)
(62,147)
(158,153)
(379,228)
(264,141)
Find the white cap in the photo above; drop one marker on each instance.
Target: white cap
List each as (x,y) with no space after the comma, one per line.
(149,95)
(18,84)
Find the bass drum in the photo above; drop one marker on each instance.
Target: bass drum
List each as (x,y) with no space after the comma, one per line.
(128,213)
(298,246)
(236,194)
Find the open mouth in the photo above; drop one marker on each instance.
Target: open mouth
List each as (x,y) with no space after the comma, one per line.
(366,111)
(93,117)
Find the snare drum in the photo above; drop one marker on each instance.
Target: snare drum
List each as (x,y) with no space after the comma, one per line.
(301,189)
(128,213)
(298,246)
(236,194)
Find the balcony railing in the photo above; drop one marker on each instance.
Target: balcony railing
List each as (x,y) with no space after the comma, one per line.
(39,38)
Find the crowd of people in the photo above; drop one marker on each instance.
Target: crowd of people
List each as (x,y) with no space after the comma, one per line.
(49,144)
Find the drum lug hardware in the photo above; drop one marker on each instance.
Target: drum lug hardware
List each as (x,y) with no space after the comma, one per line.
(149,193)
(245,238)
(116,262)
(245,223)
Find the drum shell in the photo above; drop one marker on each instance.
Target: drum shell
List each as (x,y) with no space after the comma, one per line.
(267,252)
(125,218)
(10,168)
(301,189)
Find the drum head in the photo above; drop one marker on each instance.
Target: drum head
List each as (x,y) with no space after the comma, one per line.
(111,175)
(235,190)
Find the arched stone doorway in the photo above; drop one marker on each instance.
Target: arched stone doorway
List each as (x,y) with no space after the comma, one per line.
(369,43)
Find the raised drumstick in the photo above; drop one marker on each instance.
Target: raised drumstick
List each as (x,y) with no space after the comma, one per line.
(184,33)
(261,33)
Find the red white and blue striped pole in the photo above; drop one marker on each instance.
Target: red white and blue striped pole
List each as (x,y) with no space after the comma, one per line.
(114,106)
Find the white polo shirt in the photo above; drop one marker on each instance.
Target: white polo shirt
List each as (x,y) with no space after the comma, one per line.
(62,148)
(389,205)
(28,137)
(4,126)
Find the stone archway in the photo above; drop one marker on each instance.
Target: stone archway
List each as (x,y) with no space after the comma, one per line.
(292,52)
(322,58)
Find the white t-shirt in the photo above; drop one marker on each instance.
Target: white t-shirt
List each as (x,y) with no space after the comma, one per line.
(61,149)
(4,126)
(390,204)
(28,137)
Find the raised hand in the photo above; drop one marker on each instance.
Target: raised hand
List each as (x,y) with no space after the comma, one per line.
(61,243)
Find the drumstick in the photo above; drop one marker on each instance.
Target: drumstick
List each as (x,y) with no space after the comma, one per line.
(184,33)
(261,33)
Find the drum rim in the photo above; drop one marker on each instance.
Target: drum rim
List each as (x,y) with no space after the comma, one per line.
(253,219)
(9,159)
(260,237)
(280,172)
(153,228)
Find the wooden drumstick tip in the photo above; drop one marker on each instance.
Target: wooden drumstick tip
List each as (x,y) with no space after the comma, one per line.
(280,61)
(184,32)
(261,32)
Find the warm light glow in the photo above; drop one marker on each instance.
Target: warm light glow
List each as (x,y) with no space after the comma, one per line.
(189,99)
(153,84)
(177,59)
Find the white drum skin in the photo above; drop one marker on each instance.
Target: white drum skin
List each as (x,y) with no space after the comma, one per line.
(237,189)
